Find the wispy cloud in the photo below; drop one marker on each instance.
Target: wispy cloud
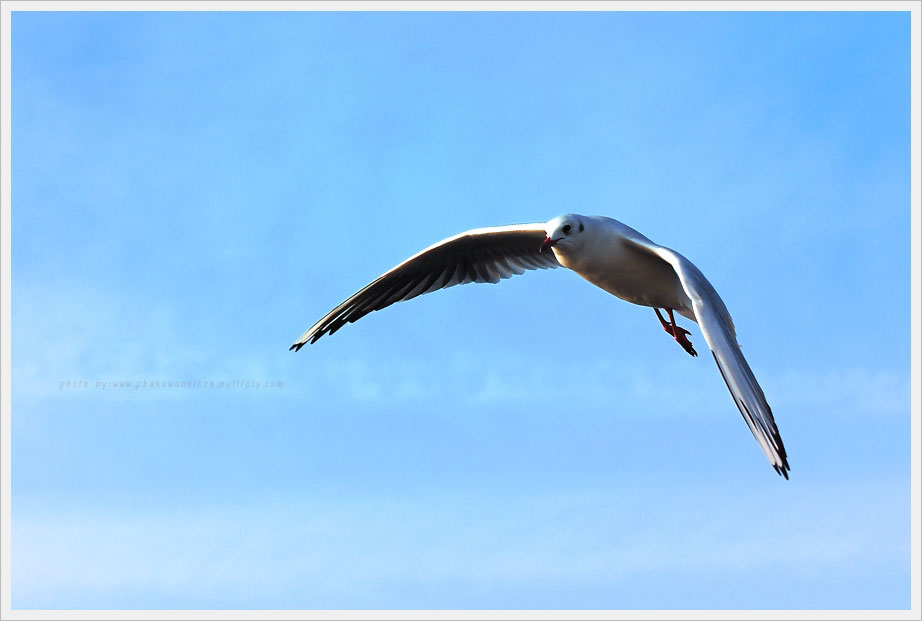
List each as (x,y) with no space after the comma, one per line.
(87,342)
(95,336)
(669,388)
(311,552)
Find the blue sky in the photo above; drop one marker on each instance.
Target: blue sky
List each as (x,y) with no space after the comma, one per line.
(192,190)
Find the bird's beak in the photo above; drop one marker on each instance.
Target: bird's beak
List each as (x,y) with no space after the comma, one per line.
(548,242)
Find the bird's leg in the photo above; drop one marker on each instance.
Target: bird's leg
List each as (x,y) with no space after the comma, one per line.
(666,325)
(675,331)
(679,334)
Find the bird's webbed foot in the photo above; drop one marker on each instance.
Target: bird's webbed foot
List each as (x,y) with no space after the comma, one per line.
(677,332)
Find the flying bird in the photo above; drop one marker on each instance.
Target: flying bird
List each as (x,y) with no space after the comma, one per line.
(607,253)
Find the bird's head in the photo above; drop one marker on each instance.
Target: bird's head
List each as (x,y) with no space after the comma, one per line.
(564,233)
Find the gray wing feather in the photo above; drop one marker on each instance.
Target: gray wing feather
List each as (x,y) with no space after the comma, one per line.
(480,255)
(718,330)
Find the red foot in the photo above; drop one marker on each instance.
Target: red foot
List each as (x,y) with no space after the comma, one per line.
(685,343)
(677,332)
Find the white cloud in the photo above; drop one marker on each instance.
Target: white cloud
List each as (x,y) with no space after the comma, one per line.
(314,552)
(67,334)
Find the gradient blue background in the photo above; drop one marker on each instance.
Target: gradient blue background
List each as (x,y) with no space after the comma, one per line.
(191,191)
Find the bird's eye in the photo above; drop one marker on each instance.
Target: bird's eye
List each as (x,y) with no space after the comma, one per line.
(566,228)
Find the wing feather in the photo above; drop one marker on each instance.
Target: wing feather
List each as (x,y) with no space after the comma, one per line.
(719,332)
(480,255)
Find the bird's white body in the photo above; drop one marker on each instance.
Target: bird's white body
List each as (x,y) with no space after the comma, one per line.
(609,261)
(607,253)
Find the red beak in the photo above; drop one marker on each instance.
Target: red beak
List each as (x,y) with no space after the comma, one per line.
(548,242)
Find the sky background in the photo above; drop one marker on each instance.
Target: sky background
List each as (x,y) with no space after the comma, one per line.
(191,191)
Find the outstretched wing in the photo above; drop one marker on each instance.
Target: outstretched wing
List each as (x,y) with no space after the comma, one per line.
(717,326)
(479,255)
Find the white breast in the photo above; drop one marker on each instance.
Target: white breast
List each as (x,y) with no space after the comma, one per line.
(605,260)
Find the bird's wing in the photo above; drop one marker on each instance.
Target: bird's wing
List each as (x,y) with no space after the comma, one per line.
(479,255)
(720,334)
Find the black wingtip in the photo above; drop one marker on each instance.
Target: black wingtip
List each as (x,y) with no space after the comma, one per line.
(296,347)
(783,471)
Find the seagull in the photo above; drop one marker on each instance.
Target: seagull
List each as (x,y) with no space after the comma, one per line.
(607,253)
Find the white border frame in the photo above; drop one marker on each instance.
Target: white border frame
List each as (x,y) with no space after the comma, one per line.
(6,9)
